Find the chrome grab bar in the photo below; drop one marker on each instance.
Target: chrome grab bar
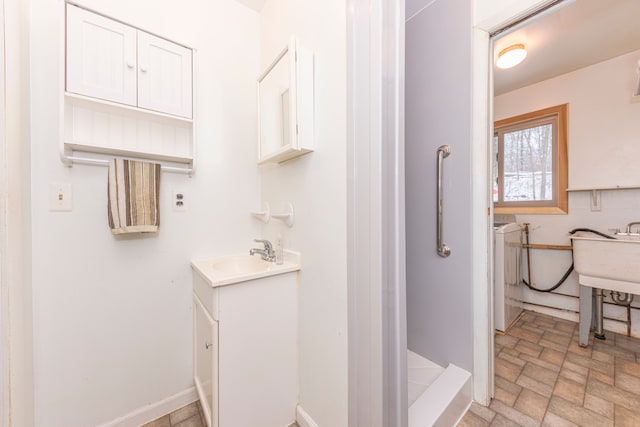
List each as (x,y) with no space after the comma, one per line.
(443,250)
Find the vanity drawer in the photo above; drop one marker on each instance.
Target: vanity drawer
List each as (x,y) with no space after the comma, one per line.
(207,294)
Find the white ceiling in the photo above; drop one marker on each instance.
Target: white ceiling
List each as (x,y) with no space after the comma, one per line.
(582,33)
(253,4)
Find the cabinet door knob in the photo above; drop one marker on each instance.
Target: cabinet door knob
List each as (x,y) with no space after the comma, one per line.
(208,345)
(129,65)
(143,69)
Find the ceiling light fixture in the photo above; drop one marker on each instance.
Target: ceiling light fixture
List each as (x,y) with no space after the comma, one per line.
(511,56)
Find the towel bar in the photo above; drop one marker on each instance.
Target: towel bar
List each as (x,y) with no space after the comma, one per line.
(69,160)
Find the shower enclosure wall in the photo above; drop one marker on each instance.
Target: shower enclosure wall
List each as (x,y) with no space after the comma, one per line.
(438,112)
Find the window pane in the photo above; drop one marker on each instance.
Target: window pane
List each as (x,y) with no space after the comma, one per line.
(528,164)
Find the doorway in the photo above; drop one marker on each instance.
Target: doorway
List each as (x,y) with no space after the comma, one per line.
(583,55)
(376,138)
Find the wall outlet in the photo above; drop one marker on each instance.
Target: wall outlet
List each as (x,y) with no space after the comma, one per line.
(60,197)
(178,201)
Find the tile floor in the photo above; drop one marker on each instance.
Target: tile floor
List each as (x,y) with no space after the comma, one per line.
(187,416)
(544,378)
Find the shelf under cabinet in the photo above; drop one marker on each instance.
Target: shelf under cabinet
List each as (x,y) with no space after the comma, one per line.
(137,110)
(98,126)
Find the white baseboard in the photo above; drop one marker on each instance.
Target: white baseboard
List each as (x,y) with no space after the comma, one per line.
(304,419)
(155,410)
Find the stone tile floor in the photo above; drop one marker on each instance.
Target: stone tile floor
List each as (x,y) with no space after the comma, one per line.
(187,416)
(544,378)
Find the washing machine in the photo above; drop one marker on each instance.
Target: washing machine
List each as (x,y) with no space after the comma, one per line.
(507,301)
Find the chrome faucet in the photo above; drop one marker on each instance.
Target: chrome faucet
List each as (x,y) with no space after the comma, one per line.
(267,253)
(631,224)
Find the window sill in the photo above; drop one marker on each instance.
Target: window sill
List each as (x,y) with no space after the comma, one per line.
(523,210)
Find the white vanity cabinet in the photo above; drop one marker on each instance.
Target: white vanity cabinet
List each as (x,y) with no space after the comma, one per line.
(205,358)
(116,62)
(245,348)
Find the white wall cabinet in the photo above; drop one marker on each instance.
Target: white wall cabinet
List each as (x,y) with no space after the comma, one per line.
(164,78)
(116,62)
(245,351)
(101,57)
(128,92)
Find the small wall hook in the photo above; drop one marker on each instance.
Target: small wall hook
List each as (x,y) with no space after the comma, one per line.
(264,215)
(287,217)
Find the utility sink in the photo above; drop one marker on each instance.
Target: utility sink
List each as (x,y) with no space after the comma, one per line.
(603,264)
(229,269)
(607,264)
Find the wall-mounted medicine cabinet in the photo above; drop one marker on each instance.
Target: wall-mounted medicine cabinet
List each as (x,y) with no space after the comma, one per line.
(286,106)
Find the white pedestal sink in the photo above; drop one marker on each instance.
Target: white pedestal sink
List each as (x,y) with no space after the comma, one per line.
(605,264)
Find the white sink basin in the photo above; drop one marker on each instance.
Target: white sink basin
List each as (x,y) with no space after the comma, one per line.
(226,270)
(607,264)
(239,264)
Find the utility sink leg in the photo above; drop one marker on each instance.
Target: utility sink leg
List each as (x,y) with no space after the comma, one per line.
(586,305)
(599,333)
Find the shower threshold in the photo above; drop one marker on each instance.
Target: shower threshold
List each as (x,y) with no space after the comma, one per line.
(437,396)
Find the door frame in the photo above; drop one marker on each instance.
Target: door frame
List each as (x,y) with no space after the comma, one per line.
(375,217)
(482,155)
(5,372)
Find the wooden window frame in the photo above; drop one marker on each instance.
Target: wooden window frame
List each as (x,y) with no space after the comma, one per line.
(559,204)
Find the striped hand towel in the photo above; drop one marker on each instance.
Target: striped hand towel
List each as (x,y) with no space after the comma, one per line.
(133,193)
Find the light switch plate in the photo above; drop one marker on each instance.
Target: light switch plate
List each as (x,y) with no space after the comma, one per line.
(60,197)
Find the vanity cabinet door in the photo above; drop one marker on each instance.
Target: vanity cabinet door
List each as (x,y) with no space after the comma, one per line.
(206,361)
(101,57)
(164,76)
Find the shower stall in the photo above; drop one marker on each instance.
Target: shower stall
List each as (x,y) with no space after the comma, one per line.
(438,193)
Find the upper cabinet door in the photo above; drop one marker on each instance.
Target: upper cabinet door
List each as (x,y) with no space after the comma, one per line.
(164,76)
(101,57)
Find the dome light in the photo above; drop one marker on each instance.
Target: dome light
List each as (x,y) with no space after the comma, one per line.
(511,56)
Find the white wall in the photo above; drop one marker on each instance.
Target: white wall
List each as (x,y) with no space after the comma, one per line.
(603,133)
(603,119)
(316,185)
(113,317)
(15,211)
